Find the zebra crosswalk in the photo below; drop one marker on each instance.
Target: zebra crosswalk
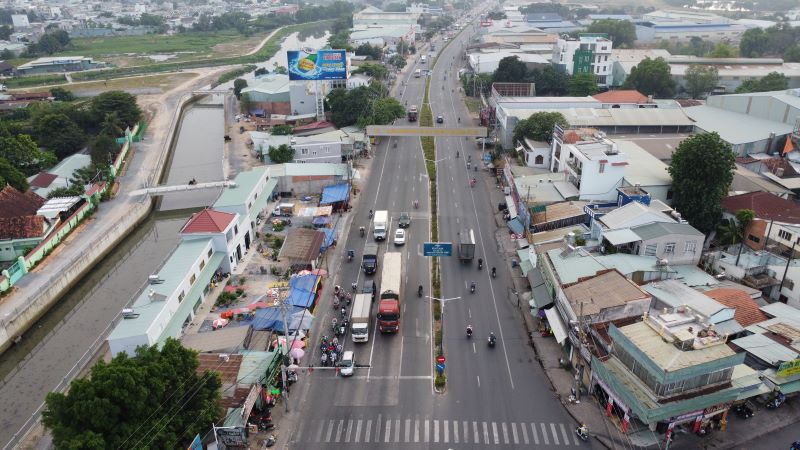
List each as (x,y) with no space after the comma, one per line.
(410,430)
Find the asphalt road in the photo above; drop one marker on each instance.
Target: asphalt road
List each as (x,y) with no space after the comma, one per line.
(496,396)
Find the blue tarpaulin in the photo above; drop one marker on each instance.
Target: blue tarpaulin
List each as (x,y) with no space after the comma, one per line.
(330,235)
(305,282)
(301,298)
(321,220)
(335,193)
(271,318)
(516,226)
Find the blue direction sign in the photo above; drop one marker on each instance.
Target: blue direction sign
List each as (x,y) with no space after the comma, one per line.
(440,368)
(438,249)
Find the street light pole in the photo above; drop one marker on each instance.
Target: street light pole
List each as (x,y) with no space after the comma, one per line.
(443,301)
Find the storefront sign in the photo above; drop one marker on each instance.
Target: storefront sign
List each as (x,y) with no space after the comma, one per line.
(683,418)
(713,410)
(232,437)
(789,368)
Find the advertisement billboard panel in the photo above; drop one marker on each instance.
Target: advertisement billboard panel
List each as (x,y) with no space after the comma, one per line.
(308,64)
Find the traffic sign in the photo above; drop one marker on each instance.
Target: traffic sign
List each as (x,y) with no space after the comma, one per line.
(440,359)
(437,248)
(440,368)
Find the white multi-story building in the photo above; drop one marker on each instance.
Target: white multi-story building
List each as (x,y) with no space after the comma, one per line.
(589,53)
(595,168)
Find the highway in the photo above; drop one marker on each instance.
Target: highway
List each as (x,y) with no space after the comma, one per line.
(494,396)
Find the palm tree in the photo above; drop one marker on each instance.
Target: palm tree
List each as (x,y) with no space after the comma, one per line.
(728,232)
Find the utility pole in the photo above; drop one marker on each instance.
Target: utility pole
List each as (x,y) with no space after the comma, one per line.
(786,270)
(285,356)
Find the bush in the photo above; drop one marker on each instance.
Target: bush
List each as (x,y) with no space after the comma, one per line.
(239,291)
(440,381)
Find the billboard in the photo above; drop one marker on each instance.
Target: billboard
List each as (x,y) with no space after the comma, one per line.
(309,64)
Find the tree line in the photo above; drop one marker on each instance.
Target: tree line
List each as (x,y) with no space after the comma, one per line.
(33,139)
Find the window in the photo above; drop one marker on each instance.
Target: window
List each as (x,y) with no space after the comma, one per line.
(539,160)
(602,167)
(236,229)
(605,59)
(192,279)
(180,296)
(783,234)
(669,247)
(650,250)
(691,246)
(202,264)
(750,237)
(210,251)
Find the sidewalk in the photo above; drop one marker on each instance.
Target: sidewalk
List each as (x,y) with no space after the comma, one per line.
(588,411)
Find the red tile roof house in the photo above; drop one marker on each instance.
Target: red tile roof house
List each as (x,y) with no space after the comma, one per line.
(229,234)
(777,217)
(20,227)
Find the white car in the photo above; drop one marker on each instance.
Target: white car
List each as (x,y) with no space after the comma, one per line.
(399,236)
(347,364)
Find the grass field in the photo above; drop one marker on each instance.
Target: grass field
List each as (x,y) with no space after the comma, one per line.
(473,104)
(124,51)
(164,81)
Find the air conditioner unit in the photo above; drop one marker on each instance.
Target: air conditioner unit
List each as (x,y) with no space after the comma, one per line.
(155,279)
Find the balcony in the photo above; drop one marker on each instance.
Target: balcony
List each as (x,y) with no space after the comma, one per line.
(759,278)
(573,164)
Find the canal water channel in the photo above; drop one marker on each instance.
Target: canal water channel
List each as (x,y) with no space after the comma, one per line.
(53,346)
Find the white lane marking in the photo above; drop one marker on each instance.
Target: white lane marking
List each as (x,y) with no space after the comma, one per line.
(400,369)
(446,426)
(544,433)
(479,380)
(505,433)
(474,348)
(469,312)
(388,432)
(495,434)
(465,427)
(427,430)
(435,431)
(555,433)
(524,429)
(514,432)
(397,430)
(330,431)
(564,434)
(368,430)
(534,434)
(455,431)
(339,430)
(485,433)
(378,429)
(349,430)
(475,436)
(372,348)
(358,431)
(416,430)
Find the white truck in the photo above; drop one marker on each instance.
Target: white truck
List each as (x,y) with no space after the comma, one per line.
(362,307)
(380,224)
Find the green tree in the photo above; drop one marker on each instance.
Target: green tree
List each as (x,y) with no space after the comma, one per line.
(652,77)
(281,130)
(372,51)
(62,95)
(23,153)
(511,69)
(280,154)
(122,103)
(539,126)
(550,81)
(238,85)
(5,32)
(773,81)
(245,104)
(102,149)
(72,190)
(376,71)
(154,400)
(9,174)
(700,80)
(754,43)
(723,50)
(621,32)
(58,133)
(112,125)
(702,171)
(340,40)
(397,61)
(384,111)
(792,54)
(727,232)
(583,84)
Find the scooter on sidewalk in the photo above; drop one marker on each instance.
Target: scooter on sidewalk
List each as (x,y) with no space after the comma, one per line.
(582,433)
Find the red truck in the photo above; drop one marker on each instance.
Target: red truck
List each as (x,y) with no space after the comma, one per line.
(412,113)
(391,292)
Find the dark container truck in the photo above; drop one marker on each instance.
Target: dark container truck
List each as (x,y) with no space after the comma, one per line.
(369,262)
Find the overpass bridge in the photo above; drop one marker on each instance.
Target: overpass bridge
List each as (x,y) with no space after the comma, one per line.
(161,190)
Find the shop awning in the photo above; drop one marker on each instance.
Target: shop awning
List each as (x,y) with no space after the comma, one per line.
(619,237)
(516,226)
(512,208)
(321,220)
(335,194)
(554,319)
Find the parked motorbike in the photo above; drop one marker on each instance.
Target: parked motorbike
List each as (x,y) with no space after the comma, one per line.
(777,400)
(743,410)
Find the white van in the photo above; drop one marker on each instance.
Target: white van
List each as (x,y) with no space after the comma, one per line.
(347,364)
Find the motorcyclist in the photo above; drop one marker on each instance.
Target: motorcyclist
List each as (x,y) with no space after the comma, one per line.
(354,285)
(456,154)
(472,286)
(582,430)
(459,120)
(370,214)
(494,272)
(419,291)
(469,330)
(492,338)
(361,230)
(480,263)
